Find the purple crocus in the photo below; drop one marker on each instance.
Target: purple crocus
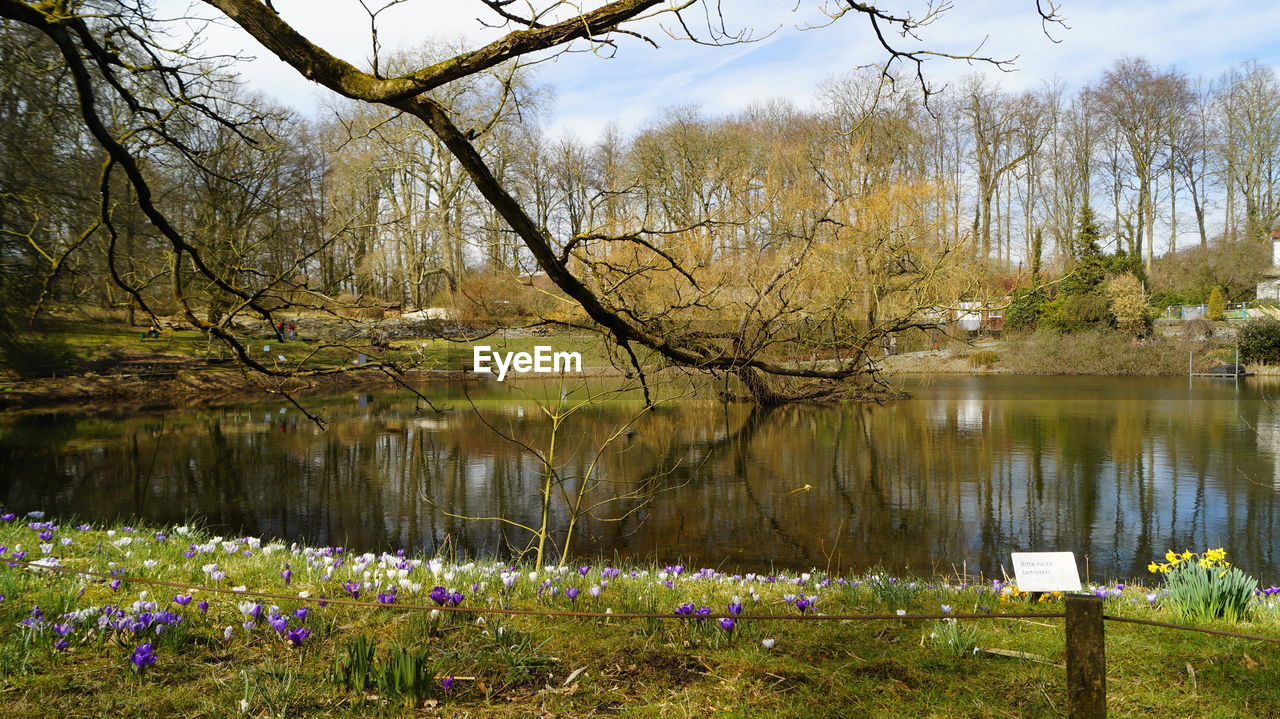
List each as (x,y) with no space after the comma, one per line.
(114,584)
(61,630)
(387,597)
(297,636)
(352,588)
(182,600)
(803,604)
(61,644)
(447,684)
(143,656)
(286,575)
(735,608)
(8,516)
(572,593)
(301,613)
(727,624)
(45,535)
(584,570)
(278,623)
(439,595)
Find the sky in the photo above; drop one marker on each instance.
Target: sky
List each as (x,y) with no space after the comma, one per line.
(791,57)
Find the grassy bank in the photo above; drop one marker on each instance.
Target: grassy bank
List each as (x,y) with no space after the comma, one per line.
(70,645)
(115,365)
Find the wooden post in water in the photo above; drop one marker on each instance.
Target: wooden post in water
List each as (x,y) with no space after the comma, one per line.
(1086,658)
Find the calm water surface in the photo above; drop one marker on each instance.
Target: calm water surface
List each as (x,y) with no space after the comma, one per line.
(971,468)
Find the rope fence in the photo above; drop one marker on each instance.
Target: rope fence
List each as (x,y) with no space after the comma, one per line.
(1085,638)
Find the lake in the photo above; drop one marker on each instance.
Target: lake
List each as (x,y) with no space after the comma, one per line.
(967,470)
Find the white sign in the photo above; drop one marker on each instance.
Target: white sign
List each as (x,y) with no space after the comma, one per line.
(1046,571)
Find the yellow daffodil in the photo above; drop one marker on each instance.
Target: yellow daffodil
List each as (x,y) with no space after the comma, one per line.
(1153,567)
(1187,554)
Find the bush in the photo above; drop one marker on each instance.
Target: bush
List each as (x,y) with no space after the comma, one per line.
(1163,299)
(1025,309)
(1260,341)
(983,358)
(1101,352)
(1128,304)
(1217,304)
(1076,313)
(1198,328)
(38,356)
(499,300)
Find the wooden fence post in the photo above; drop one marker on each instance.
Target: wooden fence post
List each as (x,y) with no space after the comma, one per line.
(1086,658)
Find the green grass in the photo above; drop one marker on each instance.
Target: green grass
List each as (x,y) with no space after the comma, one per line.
(114,342)
(521,666)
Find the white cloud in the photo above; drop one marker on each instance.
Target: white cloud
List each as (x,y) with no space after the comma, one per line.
(1198,36)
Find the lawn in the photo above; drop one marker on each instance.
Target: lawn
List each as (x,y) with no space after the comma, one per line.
(72,645)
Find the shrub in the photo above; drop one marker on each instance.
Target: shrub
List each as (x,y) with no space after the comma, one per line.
(1162,299)
(1102,352)
(1217,304)
(38,356)
(1260,341)
(1128,304)
(1205,586)
(499,300)
(1076,313)
(983,358)
(1025,309)
(1197,328)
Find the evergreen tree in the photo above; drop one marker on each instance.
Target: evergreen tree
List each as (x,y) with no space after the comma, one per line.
(1217,304)
(1088,235)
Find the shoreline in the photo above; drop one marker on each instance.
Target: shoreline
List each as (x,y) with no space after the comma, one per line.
(205,387)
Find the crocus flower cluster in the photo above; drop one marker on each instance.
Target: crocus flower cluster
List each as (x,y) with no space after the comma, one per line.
(143,656)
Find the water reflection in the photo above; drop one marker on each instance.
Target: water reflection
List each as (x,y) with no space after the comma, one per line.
(968,470)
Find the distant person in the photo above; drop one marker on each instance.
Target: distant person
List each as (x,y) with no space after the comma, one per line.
(293,331)
(893,345)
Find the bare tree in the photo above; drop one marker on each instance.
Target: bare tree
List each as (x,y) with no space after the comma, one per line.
(78,33)
(1140,101)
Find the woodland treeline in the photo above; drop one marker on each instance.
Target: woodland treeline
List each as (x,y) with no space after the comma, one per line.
(810,232)
(381,210)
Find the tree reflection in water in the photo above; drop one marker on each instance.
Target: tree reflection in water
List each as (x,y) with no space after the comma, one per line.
(1118,469)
